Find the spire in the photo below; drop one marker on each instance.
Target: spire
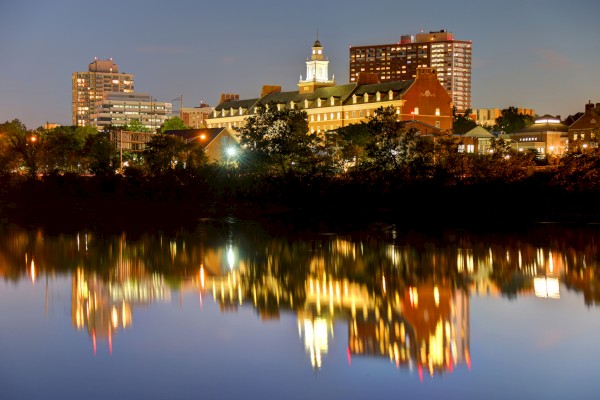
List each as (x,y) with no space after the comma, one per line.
(317,43)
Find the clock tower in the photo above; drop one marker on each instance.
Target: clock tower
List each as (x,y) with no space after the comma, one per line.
(317,71)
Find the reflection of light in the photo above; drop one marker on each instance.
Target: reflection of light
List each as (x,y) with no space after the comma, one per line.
(202,276)
(231,151)
(546,287)
(230,258)
(315,339)
(115,317)
(383,283)
(33,275)
(414,297)
(436,296)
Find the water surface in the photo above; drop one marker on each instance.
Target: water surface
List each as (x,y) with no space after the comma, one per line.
(231,310)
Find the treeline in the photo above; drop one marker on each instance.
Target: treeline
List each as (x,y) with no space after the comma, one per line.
(371,169)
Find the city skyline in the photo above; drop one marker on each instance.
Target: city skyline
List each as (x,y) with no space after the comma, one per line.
(534,54)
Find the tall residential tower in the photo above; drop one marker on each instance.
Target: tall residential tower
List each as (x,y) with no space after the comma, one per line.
(399,61)
(89,87)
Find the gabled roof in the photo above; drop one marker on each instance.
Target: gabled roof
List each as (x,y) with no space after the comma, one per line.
(324,93)
(479,132)
(236,104)
(420,126)
(396,86)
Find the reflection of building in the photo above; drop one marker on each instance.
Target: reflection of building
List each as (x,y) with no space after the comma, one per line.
(104,307)
(89,87)
(316,332)
(400,61)
(427,328)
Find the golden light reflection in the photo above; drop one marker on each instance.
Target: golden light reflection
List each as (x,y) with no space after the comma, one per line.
(546,287)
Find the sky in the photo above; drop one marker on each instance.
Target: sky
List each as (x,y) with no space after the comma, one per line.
(540,54)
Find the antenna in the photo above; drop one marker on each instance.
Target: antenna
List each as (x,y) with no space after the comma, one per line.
(180,101)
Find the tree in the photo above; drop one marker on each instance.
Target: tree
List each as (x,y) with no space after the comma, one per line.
(101,154)
(168,152)
(579,170)
(25,145)
(450,164)
(393,147)
(462,123)
(502,163)
(63,147)
(173,124)
(510,120)
(8,159)
(136,126)
(350,143)
(277,141)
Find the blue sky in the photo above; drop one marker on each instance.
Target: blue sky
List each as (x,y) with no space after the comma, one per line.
(530,53)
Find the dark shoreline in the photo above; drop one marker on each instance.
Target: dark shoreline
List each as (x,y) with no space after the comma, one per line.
(71,203)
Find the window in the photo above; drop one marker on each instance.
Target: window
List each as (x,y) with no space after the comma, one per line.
(416,111)
(437,111)
(470,148)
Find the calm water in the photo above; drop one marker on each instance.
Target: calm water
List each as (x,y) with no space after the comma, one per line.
(231,310)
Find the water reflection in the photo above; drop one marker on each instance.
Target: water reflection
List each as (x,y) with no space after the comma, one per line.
(404,297)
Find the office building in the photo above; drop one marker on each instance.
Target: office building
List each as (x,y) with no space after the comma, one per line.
(89,87)
(121,109)
(399,61)
(195,117)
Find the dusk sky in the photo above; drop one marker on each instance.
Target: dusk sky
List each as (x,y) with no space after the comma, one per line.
(543,55)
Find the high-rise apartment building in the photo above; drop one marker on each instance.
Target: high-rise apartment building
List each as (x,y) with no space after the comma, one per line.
(89,87)
(399,61)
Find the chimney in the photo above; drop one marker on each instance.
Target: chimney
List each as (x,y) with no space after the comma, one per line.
(225,97)
(268,89)
(367,78)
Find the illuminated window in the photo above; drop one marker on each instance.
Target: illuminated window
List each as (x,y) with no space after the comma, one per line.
(416,112)
(437,111)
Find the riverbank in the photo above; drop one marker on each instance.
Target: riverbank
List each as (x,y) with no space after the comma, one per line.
(125,203)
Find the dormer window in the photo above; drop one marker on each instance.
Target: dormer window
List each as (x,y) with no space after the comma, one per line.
(305,103)
(241,110)
(215,113)
(378,96)
(366,97)
(318,102)
(292,105)
(332,101)
(353,99)
(279,107)
(391,95)
(231,111)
